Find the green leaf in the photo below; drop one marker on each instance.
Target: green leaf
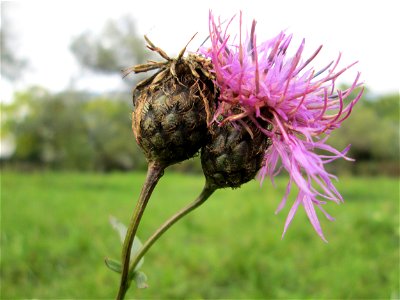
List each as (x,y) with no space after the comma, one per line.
(113,265)
(141,280)
(137,244)
(119,227)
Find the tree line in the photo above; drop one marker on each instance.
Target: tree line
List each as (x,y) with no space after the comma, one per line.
(75,130)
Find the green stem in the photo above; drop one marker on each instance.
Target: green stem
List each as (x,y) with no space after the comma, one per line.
(154,173)
(205,194)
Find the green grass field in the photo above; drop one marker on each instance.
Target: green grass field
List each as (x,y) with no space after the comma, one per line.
(55,234)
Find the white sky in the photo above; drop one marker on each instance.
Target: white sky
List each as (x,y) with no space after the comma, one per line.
(364,31)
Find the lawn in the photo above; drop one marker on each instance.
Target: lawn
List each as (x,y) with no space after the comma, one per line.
(55,234)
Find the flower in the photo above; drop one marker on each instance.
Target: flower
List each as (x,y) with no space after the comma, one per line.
(294,105)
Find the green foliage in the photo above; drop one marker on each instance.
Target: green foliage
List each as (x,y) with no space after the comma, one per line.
(229,248)
(71,130)
(373,132)
(386,107)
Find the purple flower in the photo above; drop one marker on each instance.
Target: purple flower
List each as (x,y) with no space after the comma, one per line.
(294,105)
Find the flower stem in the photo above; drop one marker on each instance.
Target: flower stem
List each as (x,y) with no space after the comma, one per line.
(205,194)
(154,173)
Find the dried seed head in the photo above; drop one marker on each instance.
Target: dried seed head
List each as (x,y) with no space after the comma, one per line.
(171,108)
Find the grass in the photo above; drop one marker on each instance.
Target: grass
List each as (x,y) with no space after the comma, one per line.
(55,235)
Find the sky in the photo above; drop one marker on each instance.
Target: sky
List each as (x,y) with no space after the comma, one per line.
(364,31)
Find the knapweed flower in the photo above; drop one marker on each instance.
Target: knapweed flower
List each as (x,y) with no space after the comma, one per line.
(291,103)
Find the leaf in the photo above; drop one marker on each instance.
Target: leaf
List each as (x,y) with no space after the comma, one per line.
(119,227)
(137,244)
(113,265)
(141,280)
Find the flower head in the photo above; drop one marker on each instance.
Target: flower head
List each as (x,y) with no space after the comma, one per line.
(294,105)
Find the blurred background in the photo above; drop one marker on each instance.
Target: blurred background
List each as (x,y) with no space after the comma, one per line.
(69,159)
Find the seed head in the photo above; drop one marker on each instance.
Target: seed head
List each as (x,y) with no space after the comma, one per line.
(171,107)
(233,155)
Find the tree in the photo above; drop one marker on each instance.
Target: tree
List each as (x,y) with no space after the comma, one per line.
(11,64)
(116,47)
(373,132)
(109,133)
(71,130)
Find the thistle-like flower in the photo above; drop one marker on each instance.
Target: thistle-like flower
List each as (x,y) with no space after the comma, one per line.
(292,104)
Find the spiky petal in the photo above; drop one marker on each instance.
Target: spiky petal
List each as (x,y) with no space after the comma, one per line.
(299,103)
